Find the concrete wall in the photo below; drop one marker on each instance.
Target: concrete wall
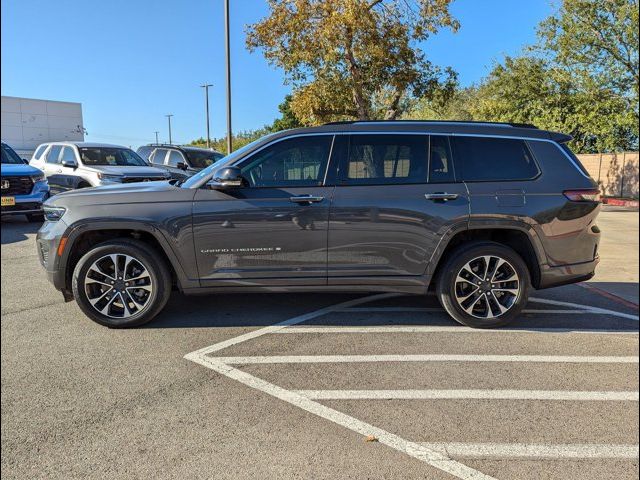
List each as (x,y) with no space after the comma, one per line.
(28,122)
(616,173)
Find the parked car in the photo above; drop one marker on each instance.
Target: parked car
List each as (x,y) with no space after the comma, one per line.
(180,161)
(24,188)
(72,165)
(480,212)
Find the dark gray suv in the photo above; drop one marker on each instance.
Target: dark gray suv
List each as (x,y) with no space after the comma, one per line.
(480,212)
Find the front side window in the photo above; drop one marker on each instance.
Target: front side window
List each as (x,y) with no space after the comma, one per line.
(494,159)
(110,156)
(202,158)
(68,155)
(158,156)
(53,154)
(296,162)
(175,157)
(384,159)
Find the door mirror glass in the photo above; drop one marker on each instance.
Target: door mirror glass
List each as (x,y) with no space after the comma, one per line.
(227,177)
(69,163)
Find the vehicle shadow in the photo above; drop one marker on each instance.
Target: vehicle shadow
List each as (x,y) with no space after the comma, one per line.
(264,309)
(15,229)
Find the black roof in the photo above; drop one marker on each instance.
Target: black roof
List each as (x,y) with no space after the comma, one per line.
(437,126)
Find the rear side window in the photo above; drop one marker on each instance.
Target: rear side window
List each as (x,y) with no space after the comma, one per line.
(384,160)
(39,151)
(157,157)
(53,154)
(144,152)
(440,161)
(575,159)
(494,159)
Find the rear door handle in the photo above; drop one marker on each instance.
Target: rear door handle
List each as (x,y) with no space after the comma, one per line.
(306,199)
(441,196)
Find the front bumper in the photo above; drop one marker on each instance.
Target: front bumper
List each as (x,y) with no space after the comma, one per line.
(29,203)
(47,243)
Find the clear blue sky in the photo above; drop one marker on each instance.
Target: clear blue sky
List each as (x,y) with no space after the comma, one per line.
(131,62)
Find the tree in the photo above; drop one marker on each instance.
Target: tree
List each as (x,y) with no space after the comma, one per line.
(353,59)
(597,40)
(287,119)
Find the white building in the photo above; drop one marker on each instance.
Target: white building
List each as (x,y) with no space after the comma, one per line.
(28,122)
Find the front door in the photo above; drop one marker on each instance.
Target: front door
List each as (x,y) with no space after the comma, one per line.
(273,230)
(396,196)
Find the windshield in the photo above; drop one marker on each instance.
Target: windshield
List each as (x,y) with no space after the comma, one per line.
(202,158)
(9,156)
(110,157)
(205,175)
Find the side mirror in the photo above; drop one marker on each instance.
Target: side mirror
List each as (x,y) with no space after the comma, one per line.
(69,164)
(228,177)
(182,166)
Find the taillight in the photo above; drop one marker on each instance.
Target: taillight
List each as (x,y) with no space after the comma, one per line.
(587,195)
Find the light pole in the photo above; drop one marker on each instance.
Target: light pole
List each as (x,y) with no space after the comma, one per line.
(169,118)
(228,63)
(156,132)
(206,101)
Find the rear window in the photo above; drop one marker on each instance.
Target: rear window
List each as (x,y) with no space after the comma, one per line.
(494,159)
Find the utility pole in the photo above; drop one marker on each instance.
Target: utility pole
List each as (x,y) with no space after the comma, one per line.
(206,102)
(228,64)
(169,118)
(156,132)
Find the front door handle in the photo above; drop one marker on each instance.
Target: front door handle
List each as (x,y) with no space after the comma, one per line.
(306,199)
(442,196)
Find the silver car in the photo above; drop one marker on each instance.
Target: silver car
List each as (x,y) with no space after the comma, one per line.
(70,165)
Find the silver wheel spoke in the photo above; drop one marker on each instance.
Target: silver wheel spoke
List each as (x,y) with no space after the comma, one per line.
(139,277)
(512,291)
(497,302)
(98,270)
(499,263)
(93,301)
(133,300)
(105,310)
(467,268)
(469,309)
(93,280)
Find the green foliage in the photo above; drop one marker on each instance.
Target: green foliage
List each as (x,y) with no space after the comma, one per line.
(353,59)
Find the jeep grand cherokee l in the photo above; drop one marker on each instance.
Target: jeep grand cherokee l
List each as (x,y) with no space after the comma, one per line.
(481,212)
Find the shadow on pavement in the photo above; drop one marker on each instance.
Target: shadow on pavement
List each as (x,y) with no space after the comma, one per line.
(15,229)
(263,309)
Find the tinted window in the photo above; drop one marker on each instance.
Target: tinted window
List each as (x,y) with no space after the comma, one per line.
(384,159)
(110,156)
(488,159)
(53,154)
(175,157)
(295,162)
(202,158)
(158,155)
(9,156)
(440,161)
(68,154)
(144,152)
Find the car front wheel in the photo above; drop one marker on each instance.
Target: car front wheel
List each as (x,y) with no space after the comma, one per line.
(121,283)
(483,285)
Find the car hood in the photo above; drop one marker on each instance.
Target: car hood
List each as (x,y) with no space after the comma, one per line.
(129,171)
(15,170)
(142,192)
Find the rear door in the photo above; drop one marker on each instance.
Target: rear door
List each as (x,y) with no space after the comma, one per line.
(66,176)
(171,164)
(396,196)
(52,168)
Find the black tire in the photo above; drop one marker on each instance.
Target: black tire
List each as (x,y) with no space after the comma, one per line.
(457,259)
(35,217)
(152,261)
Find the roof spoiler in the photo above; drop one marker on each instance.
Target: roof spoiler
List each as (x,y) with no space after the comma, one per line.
(560,137)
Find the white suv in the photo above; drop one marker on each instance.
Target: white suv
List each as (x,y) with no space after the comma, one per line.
(69,165)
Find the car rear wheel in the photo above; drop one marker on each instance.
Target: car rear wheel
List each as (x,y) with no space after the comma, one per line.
(483,285)
(121,283)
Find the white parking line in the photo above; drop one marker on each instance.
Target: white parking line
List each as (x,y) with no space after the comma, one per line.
(447,329)
(523,450)
(590,309)
(421,358)
(469,395)
(440,310)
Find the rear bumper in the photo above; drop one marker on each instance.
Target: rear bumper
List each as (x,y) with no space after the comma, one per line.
(566,274)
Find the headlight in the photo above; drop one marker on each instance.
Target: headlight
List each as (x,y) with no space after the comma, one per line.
(53,214)
(39,177)
(110,178)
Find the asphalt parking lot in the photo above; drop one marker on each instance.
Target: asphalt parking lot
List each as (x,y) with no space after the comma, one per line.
(322,386)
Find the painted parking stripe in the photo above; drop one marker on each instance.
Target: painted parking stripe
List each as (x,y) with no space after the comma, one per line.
(440,310)
(422,358)
(469,395)
(523,450)
(447,329)
(591,309)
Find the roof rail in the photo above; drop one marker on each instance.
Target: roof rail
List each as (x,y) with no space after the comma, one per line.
(438,122)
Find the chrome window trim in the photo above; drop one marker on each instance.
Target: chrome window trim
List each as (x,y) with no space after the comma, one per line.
(400,132)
